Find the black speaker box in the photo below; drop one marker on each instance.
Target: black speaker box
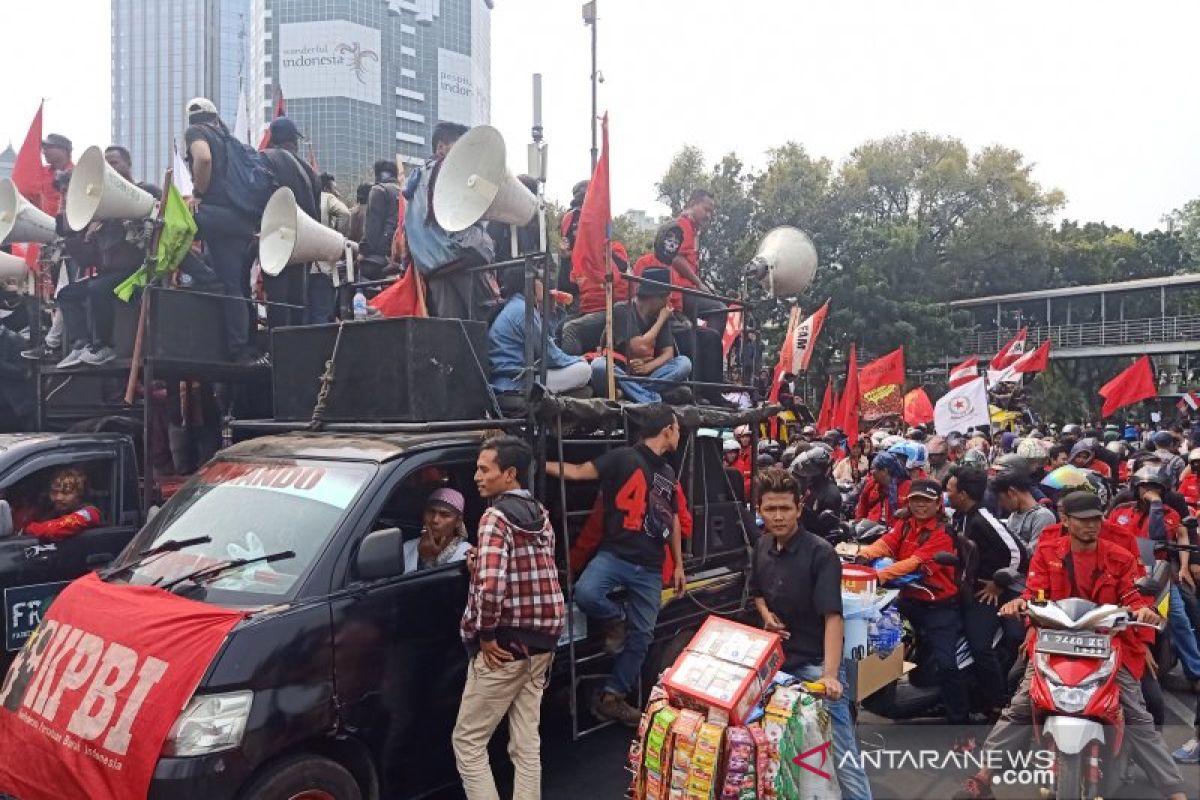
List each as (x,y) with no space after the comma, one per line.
(408,369)
(708,364)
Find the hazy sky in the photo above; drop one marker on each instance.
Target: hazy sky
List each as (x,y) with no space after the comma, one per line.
(1101,96)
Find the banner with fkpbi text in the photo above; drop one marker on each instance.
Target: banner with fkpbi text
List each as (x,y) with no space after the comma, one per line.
(88,702)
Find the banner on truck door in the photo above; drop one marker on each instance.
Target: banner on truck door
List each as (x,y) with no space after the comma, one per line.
(89,700)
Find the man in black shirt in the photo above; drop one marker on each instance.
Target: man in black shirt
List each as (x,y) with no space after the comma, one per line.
(289,287)
(382,217)
(644,345)
(997,548)
(640,516)
(795,582)
(811,469)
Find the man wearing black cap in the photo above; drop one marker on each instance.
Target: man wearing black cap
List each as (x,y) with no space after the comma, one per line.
(290,170)
(1084,565)
(644,346)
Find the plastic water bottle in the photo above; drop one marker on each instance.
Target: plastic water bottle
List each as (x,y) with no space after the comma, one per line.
(360,305)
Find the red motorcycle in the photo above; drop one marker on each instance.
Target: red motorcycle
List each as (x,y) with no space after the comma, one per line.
(1074,692)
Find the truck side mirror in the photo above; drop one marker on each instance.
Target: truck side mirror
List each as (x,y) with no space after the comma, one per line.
(6,522)
(380,555)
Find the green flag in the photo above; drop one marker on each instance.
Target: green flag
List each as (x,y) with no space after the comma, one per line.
(178,231)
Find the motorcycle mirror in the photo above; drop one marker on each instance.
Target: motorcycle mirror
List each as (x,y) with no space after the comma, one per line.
(946,559)
(1006,578)
(829,515)
(1150,585)
(6,521)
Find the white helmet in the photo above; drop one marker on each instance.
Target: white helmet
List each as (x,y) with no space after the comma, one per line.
(730,446)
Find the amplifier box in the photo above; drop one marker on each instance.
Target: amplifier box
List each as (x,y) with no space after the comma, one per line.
(406,369)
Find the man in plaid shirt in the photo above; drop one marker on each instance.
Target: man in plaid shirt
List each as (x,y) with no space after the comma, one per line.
(514,616)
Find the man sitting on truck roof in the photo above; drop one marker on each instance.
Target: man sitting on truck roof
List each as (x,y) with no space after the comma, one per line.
(67,515)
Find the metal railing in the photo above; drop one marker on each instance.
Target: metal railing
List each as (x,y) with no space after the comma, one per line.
(1114,333)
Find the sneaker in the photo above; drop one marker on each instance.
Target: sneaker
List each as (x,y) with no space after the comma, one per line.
(614,636)
(609,706)
(73,359)
(252,359)
(39,353)
(96,356)
(974,788)
(1189,753)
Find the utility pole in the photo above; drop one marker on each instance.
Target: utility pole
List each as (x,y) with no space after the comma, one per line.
(589,19)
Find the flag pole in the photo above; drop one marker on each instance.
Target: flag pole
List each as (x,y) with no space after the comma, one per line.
(150,266)
(608,314)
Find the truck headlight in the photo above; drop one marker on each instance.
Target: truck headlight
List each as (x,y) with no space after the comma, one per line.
(208,724)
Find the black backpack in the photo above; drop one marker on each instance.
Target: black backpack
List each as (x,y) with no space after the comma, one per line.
(248,178)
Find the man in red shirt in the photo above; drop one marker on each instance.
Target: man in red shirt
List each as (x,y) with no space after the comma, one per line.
(876,502)
(68,513)
(1084,565)
(675,247)
(56,149)
(935,614)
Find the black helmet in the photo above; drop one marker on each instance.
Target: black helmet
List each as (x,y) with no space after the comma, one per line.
(1011,462)
(1071,429)
(812,463)
(1151,476)
(764,460)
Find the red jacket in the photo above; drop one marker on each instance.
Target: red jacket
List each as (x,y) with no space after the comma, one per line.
(873,505)
(64,527)
(1130,517)
(1109,532)
(1189,487)
(904,544)
(1118,569)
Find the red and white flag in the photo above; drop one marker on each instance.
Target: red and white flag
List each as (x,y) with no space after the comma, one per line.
(733,329)
(805,336)
(964,372)
(1190,401)
(1034,361)
(1010,352)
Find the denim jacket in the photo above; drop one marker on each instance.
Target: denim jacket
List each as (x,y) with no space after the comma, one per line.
(506,346)
(431,246)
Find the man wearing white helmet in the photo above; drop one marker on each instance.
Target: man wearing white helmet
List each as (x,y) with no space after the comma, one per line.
(731,455)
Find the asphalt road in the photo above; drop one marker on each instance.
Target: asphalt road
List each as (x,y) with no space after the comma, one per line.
(594,767)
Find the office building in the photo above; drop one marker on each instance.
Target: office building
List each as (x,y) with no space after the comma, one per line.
(369,79)
(8,160)
(165,52)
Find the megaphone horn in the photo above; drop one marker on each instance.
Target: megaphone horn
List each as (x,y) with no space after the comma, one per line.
(289,236)
(12,268)
(21,220)
(786,262)
(473,184)
(97,192)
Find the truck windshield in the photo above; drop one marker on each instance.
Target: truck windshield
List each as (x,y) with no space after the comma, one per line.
(248,509)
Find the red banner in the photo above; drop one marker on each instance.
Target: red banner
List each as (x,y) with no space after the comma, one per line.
(88,702)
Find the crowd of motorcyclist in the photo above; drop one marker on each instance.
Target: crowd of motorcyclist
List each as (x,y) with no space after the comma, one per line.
(1109,504)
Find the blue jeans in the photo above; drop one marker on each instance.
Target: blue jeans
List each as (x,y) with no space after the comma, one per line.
(851,776)
(604,573)
(1182,635)
(321,303)
(673,371)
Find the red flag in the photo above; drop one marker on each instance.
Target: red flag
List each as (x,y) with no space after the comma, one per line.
(804,337)
(1010,352)
(589,261)
(28,173)
(848,416)
(1131,385)
(825,418)
(785,355)
(280,111)
(1035,361)
(733,329)
(965,372)
(886,370)
(404,298)
(917,408)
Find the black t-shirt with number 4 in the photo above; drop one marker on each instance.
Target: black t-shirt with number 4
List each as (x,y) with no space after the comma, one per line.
(639,504)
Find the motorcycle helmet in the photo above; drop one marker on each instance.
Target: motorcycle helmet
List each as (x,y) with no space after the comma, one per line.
(1071,429)
(974,458)
(813,462)
(730,446)
(1067,478)
(1033,451)
(1150,476)
(1194,456)
(764,460)
(891,440)
(1118,447)
(906,450)
(1011,462)
(741,430)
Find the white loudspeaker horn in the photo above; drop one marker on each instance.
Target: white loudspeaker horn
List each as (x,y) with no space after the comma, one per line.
(474,184)
(21,220)
(98,193)
(12,268)
(289,236)
(786,262)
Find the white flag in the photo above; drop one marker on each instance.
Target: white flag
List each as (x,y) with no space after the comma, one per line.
(962,408)
(241,122)
(1009,374)
(182,175)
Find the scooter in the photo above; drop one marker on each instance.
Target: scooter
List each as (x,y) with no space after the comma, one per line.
(1074,693)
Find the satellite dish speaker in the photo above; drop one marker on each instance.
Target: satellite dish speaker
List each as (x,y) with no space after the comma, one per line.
(97,193)
(22,221)
(474,184)
(289,236)
(12,268)
(786,262)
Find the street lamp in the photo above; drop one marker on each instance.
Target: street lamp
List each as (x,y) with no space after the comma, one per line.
(589,19)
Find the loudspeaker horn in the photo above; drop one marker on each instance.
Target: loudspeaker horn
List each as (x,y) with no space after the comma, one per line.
(21,220)
(786,262)
(474,184)
(98,193)
(12,268)
(289,236)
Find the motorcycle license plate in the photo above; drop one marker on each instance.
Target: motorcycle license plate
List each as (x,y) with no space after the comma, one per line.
(1072,644)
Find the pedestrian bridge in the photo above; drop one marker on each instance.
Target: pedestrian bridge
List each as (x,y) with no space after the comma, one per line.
(1150,315)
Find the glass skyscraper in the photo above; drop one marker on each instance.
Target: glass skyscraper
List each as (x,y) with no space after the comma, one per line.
(369,79)
(165,52)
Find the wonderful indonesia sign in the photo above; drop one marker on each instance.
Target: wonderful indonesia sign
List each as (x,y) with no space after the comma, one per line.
(332,58)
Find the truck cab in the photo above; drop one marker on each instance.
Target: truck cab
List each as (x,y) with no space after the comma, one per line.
(32,571)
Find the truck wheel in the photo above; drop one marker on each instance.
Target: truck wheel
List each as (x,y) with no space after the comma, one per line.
(304,777)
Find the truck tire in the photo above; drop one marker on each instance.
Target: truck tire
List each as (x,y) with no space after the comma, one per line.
(304,777)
